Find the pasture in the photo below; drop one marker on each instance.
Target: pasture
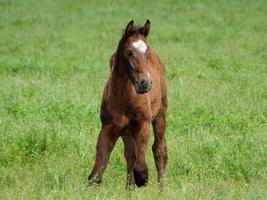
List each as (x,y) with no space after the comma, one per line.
(54,61)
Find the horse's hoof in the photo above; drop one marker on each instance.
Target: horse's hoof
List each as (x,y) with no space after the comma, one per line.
(141,177)
(94,180)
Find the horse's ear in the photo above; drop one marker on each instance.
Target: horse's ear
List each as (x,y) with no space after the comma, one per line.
(129,28)
(145,29)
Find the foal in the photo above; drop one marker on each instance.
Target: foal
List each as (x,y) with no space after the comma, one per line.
(135,96)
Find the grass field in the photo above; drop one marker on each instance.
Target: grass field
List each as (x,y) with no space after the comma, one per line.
(54,63)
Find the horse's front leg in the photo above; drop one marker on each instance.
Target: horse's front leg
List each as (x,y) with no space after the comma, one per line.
(106,141)
(130,156)
(140,167)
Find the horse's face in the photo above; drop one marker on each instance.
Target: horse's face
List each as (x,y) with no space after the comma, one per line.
(136,52)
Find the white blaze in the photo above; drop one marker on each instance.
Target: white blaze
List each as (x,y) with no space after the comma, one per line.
(140,45)
(148,75)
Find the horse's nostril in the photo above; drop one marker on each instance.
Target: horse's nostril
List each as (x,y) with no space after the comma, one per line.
(143,82)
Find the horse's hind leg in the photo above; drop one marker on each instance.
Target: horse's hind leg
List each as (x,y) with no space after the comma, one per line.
(130,156)
(159,147)
(106,141)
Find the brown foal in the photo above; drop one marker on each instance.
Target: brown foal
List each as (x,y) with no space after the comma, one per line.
(134,96)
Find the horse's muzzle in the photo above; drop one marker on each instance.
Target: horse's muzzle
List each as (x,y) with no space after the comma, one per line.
(143,86)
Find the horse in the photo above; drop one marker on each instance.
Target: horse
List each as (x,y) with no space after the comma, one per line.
(134,97)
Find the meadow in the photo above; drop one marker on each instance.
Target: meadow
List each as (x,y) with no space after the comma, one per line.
(54,59)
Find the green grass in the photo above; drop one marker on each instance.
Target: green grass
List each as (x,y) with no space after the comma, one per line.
(54,63)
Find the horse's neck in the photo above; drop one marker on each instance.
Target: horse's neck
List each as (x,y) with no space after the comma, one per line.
(120,87)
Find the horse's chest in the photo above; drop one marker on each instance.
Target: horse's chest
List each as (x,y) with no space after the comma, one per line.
(144,111)
(120,120)
(139,113)
(121,116)
(117,118)
(131,113)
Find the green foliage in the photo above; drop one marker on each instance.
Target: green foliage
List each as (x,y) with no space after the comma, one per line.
(54,63)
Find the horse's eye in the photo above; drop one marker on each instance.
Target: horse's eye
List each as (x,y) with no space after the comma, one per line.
(129,53)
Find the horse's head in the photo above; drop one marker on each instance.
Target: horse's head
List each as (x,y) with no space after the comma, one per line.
(134,53)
